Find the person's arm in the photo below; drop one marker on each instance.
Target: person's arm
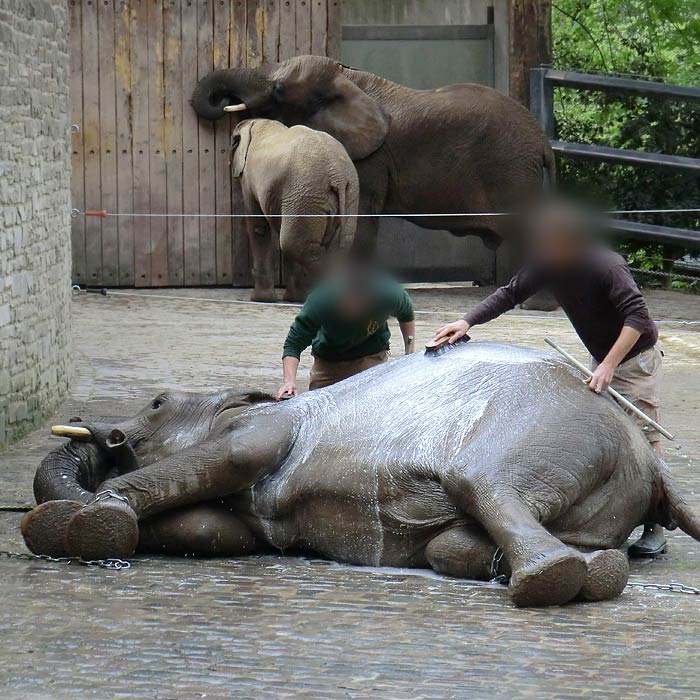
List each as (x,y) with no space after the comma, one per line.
(290,365)
(405,315)
(520,288)
(603,374)
(628,300)
(301,333)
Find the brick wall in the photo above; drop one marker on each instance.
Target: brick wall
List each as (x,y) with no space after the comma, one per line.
(34,212)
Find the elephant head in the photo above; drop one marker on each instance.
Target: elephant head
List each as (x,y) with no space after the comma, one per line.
(310,90)
(172,421)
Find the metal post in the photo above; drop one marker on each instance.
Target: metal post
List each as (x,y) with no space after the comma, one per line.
(542,100)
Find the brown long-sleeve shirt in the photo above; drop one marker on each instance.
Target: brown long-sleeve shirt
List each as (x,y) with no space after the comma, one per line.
(599,296)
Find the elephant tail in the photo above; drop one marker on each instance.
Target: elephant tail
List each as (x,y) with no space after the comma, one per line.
(550,166)
(672,510)
(343,227)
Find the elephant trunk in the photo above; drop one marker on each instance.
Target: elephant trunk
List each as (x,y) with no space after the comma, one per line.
(66,473)
(75,470)
(248,89)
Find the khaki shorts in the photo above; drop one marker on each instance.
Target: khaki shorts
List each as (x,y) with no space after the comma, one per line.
(639,379)
(327,372)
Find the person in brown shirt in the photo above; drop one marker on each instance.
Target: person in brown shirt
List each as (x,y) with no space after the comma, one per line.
(596,290)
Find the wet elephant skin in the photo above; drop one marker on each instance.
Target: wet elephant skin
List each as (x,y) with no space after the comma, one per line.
(421,461)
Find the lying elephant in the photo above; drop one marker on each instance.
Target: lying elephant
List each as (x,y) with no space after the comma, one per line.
(291,171)
(455,461)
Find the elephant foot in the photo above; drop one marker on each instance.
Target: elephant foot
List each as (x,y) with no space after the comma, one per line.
(44,527)
(608,570)
(551,579)
(294,296)
(105,528)
(263,295)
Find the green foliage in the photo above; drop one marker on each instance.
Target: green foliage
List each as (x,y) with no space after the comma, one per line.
(652,39)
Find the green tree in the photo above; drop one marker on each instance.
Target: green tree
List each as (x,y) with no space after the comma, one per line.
(649,39)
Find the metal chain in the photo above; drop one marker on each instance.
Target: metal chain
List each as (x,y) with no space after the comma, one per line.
(496,565)
(115,564)
(107,494)
(672,587)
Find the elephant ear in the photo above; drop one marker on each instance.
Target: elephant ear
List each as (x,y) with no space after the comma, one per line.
(240,143)
(315,90)
(250,398)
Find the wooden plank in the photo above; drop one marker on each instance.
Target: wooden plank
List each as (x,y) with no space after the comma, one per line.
(255,17)
(319,27)
(125,192)
(91,141)
(287,29)
(190,145)
(174,101)
(207,175)
(271,31)
(77,163)
(530,43)
(108,143)
(140,142)
(222,139)
(335,28)
(303,27)
(239,57)
(156,146)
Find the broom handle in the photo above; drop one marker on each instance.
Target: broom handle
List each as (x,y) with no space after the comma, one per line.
(625,402)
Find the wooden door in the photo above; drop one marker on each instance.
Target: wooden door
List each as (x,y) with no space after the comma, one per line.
(141,153)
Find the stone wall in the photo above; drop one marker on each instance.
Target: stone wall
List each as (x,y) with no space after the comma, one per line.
(35,260)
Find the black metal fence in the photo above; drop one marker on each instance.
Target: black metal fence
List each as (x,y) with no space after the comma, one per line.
(543,81)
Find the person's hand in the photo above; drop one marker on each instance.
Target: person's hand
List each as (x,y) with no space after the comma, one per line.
(288,389)
(454,330)
(601,379)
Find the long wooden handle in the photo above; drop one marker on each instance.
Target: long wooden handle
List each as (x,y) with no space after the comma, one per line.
(71,431)
(625,402)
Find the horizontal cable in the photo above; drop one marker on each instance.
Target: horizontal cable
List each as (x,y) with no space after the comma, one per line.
(285,304)
(102,213)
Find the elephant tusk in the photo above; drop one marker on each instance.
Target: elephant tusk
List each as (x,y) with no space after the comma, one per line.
(236,108)
(71,431)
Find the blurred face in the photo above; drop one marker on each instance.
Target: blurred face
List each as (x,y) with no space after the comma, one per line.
(558,238)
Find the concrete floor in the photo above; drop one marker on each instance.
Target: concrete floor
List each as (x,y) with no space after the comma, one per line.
(275,627)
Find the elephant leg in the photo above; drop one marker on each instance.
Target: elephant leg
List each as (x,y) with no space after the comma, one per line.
(302,245)
(465,551)
(364,246)
(545,571)
(607,574)
(108,527)
(204,530)
(262,246)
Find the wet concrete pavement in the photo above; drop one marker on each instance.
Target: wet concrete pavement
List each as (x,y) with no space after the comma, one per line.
(275,627)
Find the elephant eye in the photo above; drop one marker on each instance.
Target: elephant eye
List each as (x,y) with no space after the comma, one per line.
(157,403)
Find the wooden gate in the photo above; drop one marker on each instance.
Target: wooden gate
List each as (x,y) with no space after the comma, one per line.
(140,148)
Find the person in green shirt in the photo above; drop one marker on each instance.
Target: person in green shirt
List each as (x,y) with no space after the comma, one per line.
(344,320)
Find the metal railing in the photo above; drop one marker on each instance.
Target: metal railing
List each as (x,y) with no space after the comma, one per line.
(543,81)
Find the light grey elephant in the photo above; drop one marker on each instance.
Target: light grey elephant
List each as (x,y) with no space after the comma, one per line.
(286,174)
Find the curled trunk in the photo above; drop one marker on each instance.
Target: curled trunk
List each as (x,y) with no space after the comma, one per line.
(236,86)
(69,473)
(75,470)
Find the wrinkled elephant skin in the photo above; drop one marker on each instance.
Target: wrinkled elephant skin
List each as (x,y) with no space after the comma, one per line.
(442,461)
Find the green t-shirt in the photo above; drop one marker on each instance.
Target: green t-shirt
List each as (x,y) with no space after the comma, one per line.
(332,337)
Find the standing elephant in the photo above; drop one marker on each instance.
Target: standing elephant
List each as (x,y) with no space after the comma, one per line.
(285,172)
(486,453)
(460,148)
